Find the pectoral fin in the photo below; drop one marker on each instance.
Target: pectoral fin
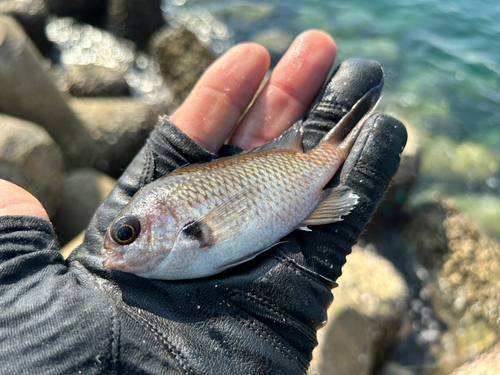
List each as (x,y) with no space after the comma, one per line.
(334,204)
(219,223)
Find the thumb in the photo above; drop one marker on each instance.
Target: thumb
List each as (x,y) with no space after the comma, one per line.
(14,200)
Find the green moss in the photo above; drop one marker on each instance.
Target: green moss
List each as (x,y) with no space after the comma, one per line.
(467,162)
(484,210)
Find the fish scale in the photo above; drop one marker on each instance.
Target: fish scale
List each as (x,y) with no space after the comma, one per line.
(204,218)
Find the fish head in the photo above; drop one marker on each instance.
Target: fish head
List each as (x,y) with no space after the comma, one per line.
(138,240)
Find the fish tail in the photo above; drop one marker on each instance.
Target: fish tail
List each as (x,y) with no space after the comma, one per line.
(342,137)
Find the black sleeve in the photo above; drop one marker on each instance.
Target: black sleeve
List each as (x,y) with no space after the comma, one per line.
(53,318)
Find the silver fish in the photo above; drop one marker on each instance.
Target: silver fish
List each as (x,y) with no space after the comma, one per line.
(205,218)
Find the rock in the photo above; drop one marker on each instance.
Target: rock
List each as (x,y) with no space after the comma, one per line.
(485,364)
(135,20)
(182,59)
(82,45)
(483,209)
(213,34)
(118,127)
(464,283)
(83,192)
(364,319)
(28,93)
(30,158)
(32,15)
(93,80)
(71,245)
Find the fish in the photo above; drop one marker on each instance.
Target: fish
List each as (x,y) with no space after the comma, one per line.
(203,219)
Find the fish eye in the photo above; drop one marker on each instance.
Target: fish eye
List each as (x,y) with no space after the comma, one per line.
(125,230)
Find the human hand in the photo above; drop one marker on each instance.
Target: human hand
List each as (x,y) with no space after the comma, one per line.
(260,317)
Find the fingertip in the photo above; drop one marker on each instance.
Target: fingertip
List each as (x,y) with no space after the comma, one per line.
(14,200)
(222,94)
(290,90)
(378,148)
(254,51)
(321,38)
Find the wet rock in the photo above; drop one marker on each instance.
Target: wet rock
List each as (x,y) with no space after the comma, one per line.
(82,44)
(182,59)
(135,20)
(464,282)
(94,80)
(32,15)
(83,191)
(28,93)
(118,127)
(364,319)
(30,158)
(483,209)
(213,34)
(485,364)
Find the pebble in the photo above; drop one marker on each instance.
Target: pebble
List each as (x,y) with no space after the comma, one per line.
(83,192)
(28,93)
(30,158)
(364,318)
(182,60)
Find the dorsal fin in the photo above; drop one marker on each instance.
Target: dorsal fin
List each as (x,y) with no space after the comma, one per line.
(290,140)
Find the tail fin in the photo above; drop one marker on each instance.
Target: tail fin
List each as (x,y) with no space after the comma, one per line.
(344,134)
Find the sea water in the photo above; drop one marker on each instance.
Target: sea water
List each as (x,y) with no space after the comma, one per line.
(442,65)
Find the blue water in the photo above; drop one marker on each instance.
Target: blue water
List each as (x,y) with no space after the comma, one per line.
(446,54)
(442,64)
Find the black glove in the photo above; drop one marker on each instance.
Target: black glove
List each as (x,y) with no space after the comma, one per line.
(257,318)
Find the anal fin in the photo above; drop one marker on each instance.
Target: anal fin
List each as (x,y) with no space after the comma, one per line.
(334,204)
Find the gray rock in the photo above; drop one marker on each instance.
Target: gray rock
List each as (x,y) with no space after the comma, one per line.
(30,158)
(135,20)
(93,80)
(485,364)
(118,127)
(182,59)
(28,93)
(82,44)
(32,15)
(84,190)
(364,318)
(463,282)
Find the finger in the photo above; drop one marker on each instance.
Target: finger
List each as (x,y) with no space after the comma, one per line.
(222,95)
(14,200)
(349,83)
(290,91)
(368,171)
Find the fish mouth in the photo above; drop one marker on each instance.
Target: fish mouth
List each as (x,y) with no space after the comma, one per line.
(114,259)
